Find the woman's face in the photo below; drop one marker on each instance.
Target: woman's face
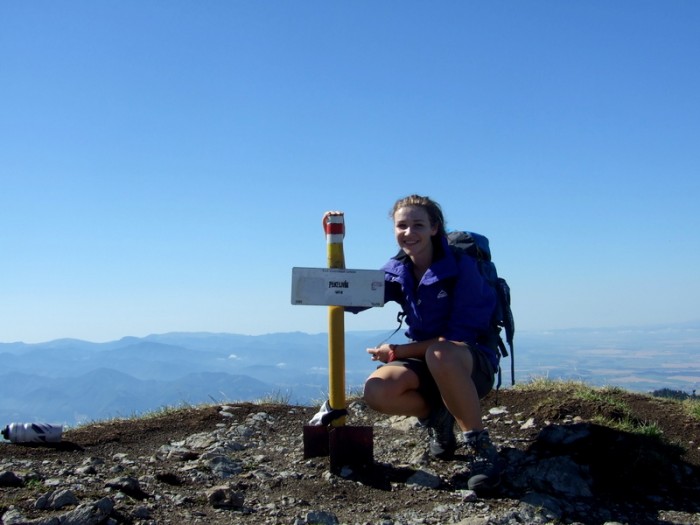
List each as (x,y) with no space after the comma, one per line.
(413,231)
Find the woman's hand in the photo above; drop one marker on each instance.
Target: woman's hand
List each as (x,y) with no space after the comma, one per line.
(384,353)
(329,214)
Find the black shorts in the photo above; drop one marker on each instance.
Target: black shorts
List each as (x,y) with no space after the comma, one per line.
(483,375)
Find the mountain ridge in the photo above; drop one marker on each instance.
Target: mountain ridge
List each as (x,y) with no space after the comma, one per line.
(294,365)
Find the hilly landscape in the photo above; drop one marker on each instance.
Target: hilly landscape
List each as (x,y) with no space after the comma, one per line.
(204,428)
(73,382)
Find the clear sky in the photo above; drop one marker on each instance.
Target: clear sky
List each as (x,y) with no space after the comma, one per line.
(164,164)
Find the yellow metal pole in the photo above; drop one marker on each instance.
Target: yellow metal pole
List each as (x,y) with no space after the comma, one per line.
(335,231)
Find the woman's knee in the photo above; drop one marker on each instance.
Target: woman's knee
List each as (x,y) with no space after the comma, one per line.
(446,355)
(380,390)
(373,392)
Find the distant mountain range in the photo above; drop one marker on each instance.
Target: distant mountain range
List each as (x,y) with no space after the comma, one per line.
(71,381)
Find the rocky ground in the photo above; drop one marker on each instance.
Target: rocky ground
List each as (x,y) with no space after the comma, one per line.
(244,463)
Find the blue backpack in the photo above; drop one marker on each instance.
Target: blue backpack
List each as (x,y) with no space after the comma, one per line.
(477,246)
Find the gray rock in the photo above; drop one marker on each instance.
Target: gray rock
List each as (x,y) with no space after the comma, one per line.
(94,513)
(201,441)
(543,501)
(141,513)
(224,467)
(56,500)
(559,475)
(128,485)
(319,517)
(10,479)
(224,497)
(179,453)
(86,470)
(13,517)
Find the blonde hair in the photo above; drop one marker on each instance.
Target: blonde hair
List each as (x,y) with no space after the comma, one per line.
(430,206)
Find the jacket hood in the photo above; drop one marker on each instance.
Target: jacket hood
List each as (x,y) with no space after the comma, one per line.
(444,265)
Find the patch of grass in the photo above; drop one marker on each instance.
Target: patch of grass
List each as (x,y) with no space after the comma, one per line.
(544,384)
(355,393)
(632,426)
(352,393)
(607,396)
(554,391)
(614,413)
(35,484)
(276,397)
(164,410)
(692,407)
(577,389)
(156,412)
(651,429)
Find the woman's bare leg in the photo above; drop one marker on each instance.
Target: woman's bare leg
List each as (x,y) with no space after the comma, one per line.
(394,390)
(451,366)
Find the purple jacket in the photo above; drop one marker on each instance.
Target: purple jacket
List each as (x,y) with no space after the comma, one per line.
(451,300)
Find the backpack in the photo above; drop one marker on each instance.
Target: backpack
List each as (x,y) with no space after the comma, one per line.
(477,246)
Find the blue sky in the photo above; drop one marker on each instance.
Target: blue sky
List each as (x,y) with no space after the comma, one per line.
(164,164)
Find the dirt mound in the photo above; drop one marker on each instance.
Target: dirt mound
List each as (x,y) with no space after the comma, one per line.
(649,475)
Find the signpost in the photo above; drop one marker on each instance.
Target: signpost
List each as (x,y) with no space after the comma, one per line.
(337,288)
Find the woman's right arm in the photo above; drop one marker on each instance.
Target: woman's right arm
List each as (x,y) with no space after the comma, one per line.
(391,352)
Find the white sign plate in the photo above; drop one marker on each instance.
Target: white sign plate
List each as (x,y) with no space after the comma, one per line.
(337,287)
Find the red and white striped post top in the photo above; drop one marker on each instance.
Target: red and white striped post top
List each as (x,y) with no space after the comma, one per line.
(335,229)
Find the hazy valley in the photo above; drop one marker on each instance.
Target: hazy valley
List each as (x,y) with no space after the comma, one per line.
(72,382)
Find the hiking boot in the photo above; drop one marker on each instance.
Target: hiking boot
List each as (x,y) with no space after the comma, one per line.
(484,468)
(440,423)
